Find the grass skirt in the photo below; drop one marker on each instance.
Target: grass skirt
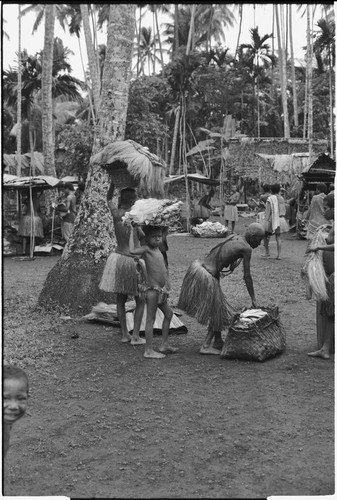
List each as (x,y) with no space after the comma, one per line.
(25,228)
(120,275)
(202,298)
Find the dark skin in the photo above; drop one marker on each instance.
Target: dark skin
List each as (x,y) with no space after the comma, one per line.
(122,236)
(329,266)
(240,247)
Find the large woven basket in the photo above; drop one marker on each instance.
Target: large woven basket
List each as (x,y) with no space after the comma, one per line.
(259,341)
(121,178)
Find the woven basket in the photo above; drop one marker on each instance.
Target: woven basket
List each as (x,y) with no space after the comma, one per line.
(121,178)
(259,341)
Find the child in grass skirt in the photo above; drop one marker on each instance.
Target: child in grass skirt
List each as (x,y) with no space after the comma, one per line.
(201,296)
(122,272)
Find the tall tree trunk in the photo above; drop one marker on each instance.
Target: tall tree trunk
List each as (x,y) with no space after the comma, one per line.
(293,73)
(190,41)
(176,31)
(175,139)
(19,101)
(46,86)
(159,40)
(139,34)
(87,86)
(240,27)
(283,72)
(309,65)
(73,282)
(332,150)
(94,70)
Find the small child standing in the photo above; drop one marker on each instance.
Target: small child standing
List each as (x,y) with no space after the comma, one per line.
(155,289)
(15,397)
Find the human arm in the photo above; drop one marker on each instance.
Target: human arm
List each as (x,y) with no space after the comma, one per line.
(135,250)
(247,275)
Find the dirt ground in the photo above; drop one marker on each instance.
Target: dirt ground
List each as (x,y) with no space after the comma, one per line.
(103,421)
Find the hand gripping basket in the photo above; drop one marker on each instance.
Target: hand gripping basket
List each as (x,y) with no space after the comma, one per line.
(258,341)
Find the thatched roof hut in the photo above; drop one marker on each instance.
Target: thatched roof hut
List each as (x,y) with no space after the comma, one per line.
(323,169)
(130,164)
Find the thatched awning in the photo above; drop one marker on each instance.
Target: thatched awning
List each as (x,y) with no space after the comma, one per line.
(40,181)
(10,162)
(145,167)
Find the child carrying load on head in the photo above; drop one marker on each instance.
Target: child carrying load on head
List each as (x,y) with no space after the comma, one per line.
(155,289)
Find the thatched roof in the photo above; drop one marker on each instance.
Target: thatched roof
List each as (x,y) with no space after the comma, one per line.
(38,181)
(10,162)
(145,167)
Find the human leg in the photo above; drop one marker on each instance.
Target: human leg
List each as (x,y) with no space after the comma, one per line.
(121,299)
(233,225)
(325,326)
(217,342)
(168,313)
(137,321)
(206,346)
(278,245)
(24,244)
(266,244)
(151,309)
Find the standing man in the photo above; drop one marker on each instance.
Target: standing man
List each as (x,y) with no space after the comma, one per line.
(122,270)
(201,295)
(68,216)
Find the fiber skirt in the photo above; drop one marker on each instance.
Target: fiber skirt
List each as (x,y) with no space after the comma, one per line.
(120,275)
(231,213)
(31,226)
(202,298)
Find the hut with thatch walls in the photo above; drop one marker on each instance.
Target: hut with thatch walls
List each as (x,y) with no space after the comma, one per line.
(322,169)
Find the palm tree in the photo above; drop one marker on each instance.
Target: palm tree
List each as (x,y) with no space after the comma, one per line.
(309,80)
(46,87)
(19,102)
(93,65)
(31,69)
(74,280)
(293,74)
(257,58)
(325,44)
(282,68)
(147,50)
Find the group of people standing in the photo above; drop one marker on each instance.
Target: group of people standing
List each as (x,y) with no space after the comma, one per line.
(137,268)
(203,209)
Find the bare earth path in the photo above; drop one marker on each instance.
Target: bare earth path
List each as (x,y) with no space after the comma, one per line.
(105,422)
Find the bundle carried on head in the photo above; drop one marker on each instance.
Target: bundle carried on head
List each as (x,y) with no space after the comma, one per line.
(154,212)
(313,270)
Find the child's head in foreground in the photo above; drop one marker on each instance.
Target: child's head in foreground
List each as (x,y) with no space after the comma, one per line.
(15,393)
(153,235)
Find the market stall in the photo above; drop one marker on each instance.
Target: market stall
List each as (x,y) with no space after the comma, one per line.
(30,185)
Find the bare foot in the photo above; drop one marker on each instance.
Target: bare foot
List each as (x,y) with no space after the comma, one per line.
(138,341)
(154,355)
(319,354)
(168,349)
(209,350)
(126,339)
(278,258)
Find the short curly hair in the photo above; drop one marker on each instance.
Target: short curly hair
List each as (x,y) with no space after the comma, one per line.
(11,371)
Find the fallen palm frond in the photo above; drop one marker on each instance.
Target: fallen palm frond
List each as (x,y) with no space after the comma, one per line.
(313,269)
(144,166)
